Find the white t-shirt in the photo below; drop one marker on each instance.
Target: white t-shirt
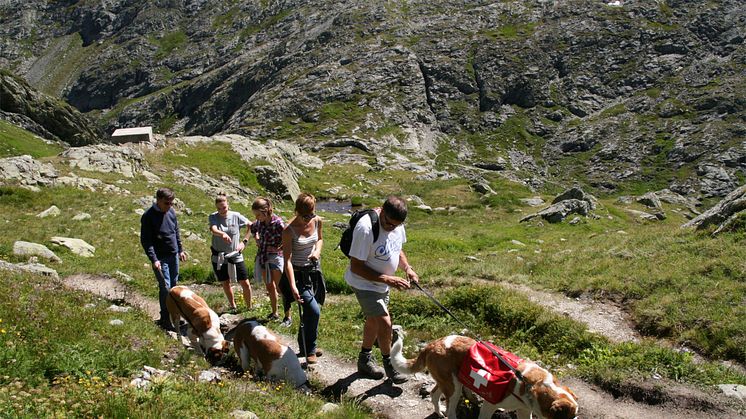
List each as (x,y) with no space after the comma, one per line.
(381,256)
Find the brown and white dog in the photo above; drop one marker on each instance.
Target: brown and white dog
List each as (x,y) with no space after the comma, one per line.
(252,341)
(443,358)
(204,325)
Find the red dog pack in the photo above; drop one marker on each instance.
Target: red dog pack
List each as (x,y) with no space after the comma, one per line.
(483,373)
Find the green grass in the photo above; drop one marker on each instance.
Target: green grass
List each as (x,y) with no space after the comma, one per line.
(15,141)
(169,43)
(60,357)
(686,287)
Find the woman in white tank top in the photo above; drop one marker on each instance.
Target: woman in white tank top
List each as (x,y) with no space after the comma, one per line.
(302,241)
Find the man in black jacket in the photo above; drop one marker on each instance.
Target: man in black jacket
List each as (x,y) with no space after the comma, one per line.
(159,236)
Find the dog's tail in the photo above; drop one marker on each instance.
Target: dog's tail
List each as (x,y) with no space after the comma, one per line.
(404,365)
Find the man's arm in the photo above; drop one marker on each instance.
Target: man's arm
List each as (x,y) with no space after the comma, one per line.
(358,267)
(182,253)
(146,238)
(407,268)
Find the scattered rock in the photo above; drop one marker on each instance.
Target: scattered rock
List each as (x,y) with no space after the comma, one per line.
(116,322)
(574,221)
(243,414)
(518,243)
(578,194)
(77,246)
(555,213)
(32,268)
(52,211)
(644,215)
(734,390)
(651,200)
(82,216)
(123,276)
(732,204)
(329,408)
(210,376)
(22,248)
(425,208)
(533,201)
(119,309)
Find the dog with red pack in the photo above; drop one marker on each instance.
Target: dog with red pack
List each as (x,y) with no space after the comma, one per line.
(459,361)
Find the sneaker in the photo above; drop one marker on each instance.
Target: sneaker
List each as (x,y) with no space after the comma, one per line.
(319,352)
(367,367)
(233,310)
(286,322)
(311,359)
(393,374)
(273,317)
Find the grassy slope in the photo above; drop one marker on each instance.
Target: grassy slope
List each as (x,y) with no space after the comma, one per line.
(15,141)
(678,284)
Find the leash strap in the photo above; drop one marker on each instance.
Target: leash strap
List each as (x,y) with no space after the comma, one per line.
(517,373)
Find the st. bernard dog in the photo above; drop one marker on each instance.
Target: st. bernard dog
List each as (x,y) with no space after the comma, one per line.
(252,341)
(443,358)
(203,328)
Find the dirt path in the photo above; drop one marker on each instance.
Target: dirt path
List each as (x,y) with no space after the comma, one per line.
(406,401)
(603,318)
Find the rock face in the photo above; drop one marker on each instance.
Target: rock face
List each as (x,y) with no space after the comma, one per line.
(643,92)
(42,114)
(26,171)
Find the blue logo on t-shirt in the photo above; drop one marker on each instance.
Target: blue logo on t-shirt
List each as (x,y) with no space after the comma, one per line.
(384,251)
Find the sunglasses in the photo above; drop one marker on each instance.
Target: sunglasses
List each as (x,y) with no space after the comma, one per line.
(308,217)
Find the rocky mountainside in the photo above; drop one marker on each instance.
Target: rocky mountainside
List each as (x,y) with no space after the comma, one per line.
(46,116)
(618,95)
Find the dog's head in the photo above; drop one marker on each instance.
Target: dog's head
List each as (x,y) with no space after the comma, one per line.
(216,355)
(397,332)
(564,407)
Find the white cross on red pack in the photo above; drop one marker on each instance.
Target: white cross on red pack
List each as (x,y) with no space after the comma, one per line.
(479,377)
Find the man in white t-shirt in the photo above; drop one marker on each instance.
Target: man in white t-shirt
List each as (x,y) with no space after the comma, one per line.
(371,273)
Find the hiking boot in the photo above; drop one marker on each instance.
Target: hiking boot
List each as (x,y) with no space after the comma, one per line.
(273,317)
(286,322)
(367,367)
(311,359)
(393,374)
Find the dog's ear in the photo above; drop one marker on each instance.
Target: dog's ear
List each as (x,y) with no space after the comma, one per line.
(572,393)
(563,408)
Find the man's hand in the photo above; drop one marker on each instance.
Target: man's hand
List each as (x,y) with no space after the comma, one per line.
(396,282)
(182,257)
(157,265)
(412,275)
(226,238)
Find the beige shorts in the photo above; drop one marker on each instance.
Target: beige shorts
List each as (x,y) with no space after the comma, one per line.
(373,303)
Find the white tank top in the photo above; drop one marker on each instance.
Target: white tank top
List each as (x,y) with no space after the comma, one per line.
(304,246)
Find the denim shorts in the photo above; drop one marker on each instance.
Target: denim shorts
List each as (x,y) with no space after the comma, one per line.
(275,262)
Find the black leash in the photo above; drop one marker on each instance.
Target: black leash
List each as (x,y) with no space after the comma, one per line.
(517,373)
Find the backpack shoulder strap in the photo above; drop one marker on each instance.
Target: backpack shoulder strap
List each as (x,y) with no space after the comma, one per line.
(374,223)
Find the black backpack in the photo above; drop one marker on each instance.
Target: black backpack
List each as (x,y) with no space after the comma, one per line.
(345,243)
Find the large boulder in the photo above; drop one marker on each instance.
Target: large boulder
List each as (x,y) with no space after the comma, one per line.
(22,248)
(26,171)
(32,268)
(576,193)
(555,213)
(77,246)
(212,186)
(727,209)
(107,158)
